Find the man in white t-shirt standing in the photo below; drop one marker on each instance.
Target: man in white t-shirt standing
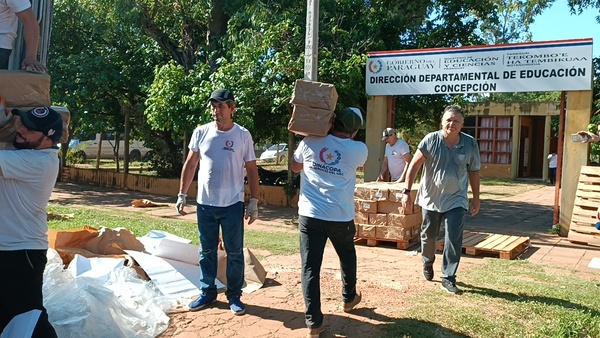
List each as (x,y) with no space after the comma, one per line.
(552,162)
(11,11)
(396,158)
(221,150)
(326,209)
(27,177)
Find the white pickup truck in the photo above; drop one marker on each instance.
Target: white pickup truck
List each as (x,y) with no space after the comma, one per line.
(87,147)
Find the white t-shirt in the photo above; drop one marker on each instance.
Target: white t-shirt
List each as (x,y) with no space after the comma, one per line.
(28,177)
(553,160)
(394,157)
(223,155)
(328,176)
(9,21)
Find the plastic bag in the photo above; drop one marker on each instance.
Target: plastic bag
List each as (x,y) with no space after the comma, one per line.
(123,306)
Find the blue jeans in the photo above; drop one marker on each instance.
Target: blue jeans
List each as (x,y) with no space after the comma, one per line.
(313,237)
(4,57)
(552,175)
(231,221)
(454,221)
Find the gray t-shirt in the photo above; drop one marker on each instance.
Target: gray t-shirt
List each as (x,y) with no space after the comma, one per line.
(445,180)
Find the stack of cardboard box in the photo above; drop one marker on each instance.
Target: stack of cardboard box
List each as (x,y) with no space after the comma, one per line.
(379,214)
(314,103)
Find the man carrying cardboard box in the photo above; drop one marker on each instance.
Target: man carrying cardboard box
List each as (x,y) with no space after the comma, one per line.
(326,209)
(27,177)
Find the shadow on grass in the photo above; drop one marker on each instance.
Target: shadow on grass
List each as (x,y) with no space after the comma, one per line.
(414,328)
(515,297)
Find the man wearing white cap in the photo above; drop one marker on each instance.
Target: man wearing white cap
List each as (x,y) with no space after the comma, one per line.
(396,158)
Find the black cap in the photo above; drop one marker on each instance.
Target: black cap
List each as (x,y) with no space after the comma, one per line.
(221,95)
(43,119)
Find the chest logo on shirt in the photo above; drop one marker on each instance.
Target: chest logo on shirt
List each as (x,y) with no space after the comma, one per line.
(229,146)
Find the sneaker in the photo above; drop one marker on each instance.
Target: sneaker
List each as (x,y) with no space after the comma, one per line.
(201,302)
(428,272)
(236,306)
(315,332)
(449,287)
(350,306)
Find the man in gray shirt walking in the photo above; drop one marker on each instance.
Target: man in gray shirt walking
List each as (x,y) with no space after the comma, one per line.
(450,161)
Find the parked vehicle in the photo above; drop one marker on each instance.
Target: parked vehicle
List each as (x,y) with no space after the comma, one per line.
(275,152)
(87,147)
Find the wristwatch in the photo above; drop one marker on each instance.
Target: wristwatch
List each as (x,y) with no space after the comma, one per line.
(406,191)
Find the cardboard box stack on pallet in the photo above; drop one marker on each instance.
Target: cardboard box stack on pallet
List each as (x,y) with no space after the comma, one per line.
(380,217)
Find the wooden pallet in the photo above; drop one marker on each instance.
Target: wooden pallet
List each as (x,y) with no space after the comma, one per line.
(402,245)
(582,229)
(477,243)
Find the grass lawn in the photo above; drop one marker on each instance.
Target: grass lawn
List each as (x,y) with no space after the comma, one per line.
(506,298)
(501,298)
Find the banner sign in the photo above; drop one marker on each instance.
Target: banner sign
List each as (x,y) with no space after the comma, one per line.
(564,65)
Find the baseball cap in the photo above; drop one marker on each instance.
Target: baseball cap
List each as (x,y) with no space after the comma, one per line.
(387,133)
(221,95)
(43,119)
(349,119)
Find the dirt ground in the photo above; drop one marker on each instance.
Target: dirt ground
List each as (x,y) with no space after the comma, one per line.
(387,277)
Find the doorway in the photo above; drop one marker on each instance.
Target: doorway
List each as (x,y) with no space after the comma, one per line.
(531,147)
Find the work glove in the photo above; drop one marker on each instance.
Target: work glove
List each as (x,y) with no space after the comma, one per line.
(181,202)
(5,116)
(252,210)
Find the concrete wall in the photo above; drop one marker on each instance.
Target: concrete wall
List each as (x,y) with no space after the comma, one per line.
(269,195)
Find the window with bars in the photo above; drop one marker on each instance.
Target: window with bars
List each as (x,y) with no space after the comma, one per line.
(494,136)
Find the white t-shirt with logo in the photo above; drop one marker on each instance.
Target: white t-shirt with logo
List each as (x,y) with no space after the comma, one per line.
(223,155)
(9,21)
(329,176)
(28,177)
(394,157)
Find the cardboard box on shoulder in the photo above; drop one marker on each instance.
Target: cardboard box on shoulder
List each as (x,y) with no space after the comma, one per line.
(22,88)
(314,105)
(315,94)
(310,121)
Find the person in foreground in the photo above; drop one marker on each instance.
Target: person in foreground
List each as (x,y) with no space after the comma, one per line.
(27,176)
(220,150)
(450,161)
(396,158)
(326,209)
(10,13)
